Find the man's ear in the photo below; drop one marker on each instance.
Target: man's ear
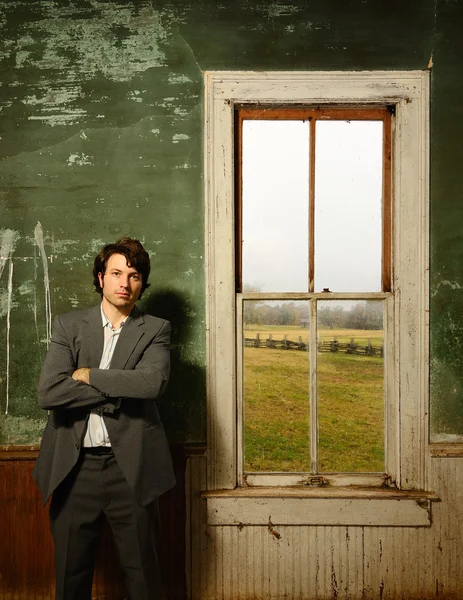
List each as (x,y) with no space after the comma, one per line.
(100,279)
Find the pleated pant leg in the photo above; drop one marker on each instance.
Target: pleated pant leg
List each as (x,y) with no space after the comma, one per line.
(96,489)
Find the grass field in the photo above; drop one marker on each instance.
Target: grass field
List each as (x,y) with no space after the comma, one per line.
(350,406)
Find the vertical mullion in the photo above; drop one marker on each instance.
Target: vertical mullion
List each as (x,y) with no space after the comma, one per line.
(313,387)
(239,389)
(311,203)
(387,217)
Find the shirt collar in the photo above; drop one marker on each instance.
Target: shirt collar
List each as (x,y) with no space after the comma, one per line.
(107,323)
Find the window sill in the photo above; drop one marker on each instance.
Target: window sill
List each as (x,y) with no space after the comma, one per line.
(452,450)
(319,506)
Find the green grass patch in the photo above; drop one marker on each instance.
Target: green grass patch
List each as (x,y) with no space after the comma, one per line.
(276,413)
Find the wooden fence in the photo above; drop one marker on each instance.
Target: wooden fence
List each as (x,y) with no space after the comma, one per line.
(323,345)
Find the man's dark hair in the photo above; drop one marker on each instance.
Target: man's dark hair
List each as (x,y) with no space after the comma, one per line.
(136,256)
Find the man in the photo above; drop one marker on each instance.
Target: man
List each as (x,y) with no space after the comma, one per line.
(104,453)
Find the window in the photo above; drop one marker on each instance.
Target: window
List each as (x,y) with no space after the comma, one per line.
(312,205)
(267,256)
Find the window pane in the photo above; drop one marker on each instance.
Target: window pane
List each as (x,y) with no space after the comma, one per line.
(275,179)
(350,386)
(276,386)
(348,199)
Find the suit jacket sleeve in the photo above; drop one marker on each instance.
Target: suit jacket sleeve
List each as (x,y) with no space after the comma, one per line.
(147,381)
(56,388)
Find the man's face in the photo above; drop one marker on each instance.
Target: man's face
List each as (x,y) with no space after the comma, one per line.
(121,284)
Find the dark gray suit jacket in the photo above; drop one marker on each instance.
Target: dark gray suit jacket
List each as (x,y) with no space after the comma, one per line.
(125,394)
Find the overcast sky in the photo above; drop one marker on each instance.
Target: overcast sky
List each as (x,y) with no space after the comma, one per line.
(348,191)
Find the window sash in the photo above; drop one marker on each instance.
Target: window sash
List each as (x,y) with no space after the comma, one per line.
(314,114)
(273,478)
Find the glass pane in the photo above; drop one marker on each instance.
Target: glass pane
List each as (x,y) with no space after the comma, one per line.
(350,386)
(276,386)
(275,205)
(348,199)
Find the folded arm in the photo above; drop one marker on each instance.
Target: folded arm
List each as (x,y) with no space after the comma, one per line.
(57,388)
(147,381)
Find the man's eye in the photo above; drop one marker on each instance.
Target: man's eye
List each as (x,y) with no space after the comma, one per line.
(136,277)
(116,274)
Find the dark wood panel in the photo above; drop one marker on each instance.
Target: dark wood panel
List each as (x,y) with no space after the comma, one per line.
(26,546)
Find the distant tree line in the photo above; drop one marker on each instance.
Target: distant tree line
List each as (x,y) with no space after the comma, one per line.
(361,315)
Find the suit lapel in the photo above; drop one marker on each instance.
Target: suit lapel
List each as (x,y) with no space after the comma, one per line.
(131,332)
(93,336)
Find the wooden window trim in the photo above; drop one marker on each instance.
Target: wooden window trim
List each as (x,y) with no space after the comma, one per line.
(408,382)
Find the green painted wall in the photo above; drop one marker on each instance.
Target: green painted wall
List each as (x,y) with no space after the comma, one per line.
(101,125)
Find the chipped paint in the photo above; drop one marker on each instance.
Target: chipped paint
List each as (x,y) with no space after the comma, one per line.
(135,96)
(175,78)
(278,9)
(72,45)
(179,136)
(454,285)
(89,45)
(79,159)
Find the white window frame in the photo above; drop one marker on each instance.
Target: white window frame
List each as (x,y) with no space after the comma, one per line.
(407,310)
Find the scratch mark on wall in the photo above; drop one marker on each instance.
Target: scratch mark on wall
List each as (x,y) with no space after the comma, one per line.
(38,236)
(8,324)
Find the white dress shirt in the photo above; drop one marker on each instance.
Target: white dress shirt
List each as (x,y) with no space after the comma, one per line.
(97,434)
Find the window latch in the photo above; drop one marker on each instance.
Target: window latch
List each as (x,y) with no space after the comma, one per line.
(314,481)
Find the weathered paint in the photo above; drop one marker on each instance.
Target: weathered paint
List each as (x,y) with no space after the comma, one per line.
(326,562)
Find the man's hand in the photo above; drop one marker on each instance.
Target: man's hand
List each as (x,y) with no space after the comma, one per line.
(82,374)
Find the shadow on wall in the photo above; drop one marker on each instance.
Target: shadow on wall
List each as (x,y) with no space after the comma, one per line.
(183,406)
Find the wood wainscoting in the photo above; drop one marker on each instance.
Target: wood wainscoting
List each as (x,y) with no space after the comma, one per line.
(26,546)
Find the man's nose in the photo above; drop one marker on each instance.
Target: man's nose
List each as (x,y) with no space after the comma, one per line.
(125,281)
